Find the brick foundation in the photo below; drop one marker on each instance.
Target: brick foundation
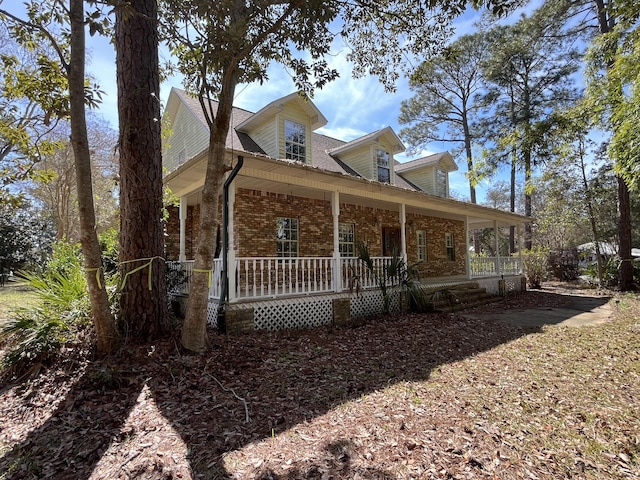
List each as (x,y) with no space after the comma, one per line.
(341,311)
(239,320)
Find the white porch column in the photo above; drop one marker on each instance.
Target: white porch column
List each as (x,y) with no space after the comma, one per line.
(231,246)
(466,246)
(403,233)
(497,246)
(519,236)
(337,264)
(183,228)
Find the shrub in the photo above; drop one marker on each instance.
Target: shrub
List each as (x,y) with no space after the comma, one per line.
(34,335)
(109,244)
(611,271)
(536,266)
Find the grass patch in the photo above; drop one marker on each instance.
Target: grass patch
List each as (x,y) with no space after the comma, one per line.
(14,295)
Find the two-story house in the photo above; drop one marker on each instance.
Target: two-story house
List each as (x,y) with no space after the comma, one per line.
(300,202)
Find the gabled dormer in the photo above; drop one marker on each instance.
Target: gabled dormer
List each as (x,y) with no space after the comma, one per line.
(283,128)
(371,156)
(430,174)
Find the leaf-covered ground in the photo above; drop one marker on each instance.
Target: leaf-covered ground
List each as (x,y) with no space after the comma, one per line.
(416,396)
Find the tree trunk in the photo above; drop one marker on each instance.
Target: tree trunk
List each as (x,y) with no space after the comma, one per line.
(606,23)
(103,321)
(194,335)
(625,274)
(143,302)
(528,243)
(512,202)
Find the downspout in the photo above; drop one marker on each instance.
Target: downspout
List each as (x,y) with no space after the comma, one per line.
(224,293)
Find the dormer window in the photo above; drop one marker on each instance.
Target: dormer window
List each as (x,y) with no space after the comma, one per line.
(295,146)
(384,174)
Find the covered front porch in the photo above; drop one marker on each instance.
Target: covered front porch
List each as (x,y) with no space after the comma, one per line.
(254,278)
(291,232)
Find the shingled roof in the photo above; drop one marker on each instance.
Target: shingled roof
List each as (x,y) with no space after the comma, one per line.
(324,148)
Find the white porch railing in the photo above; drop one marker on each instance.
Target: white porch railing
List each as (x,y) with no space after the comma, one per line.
(269,277)
(274,276)
(181,273)
(494,266)
(355,270)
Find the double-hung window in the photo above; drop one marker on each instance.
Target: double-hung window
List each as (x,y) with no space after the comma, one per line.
(384,173)
(421,240)
(287,237)
(346,238)
(450,246)
(295,141)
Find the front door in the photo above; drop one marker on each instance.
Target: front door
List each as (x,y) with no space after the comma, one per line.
(390,241)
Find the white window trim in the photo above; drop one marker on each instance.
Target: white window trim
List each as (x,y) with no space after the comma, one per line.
(341,241)
(284,240)
(304,145)
(387,167)
(450,246)
(422,246)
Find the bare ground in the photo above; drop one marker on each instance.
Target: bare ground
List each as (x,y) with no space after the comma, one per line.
(404,397)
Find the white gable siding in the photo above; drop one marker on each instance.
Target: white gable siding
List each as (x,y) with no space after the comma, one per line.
(187,139)
(266,138)
(293,112)
(364,160)
(423,178)
(361,160)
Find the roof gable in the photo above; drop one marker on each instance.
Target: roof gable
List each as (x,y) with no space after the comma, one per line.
(443,160)
(266,113)
(387,133)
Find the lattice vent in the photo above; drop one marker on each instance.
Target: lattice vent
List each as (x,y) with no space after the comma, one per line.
(293,313)
(212,312)
(370,303)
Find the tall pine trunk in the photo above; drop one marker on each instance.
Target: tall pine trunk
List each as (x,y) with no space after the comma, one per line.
(606,24)
(143,301)
(103,321)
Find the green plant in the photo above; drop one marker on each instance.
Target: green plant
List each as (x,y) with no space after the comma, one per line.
(535,263)
(109,244)
(394,274)
(65,259)
(34,335)
(610,271)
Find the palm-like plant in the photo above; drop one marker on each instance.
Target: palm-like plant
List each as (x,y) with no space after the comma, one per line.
(395,274)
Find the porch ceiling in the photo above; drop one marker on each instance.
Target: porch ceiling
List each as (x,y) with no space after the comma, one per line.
(281,176)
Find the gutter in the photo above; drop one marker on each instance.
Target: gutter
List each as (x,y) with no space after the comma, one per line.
(224,294)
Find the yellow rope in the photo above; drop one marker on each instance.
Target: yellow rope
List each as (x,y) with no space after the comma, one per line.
(148,264)
(210,276)
(97,270)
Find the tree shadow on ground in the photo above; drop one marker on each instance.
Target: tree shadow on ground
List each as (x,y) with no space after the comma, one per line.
(278,379)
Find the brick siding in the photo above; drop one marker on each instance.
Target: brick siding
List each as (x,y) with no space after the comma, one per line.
(255,230)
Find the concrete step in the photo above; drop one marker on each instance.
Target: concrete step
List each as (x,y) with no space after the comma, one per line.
(459,297)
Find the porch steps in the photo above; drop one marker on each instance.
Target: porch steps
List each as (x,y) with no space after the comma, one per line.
(458,297)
